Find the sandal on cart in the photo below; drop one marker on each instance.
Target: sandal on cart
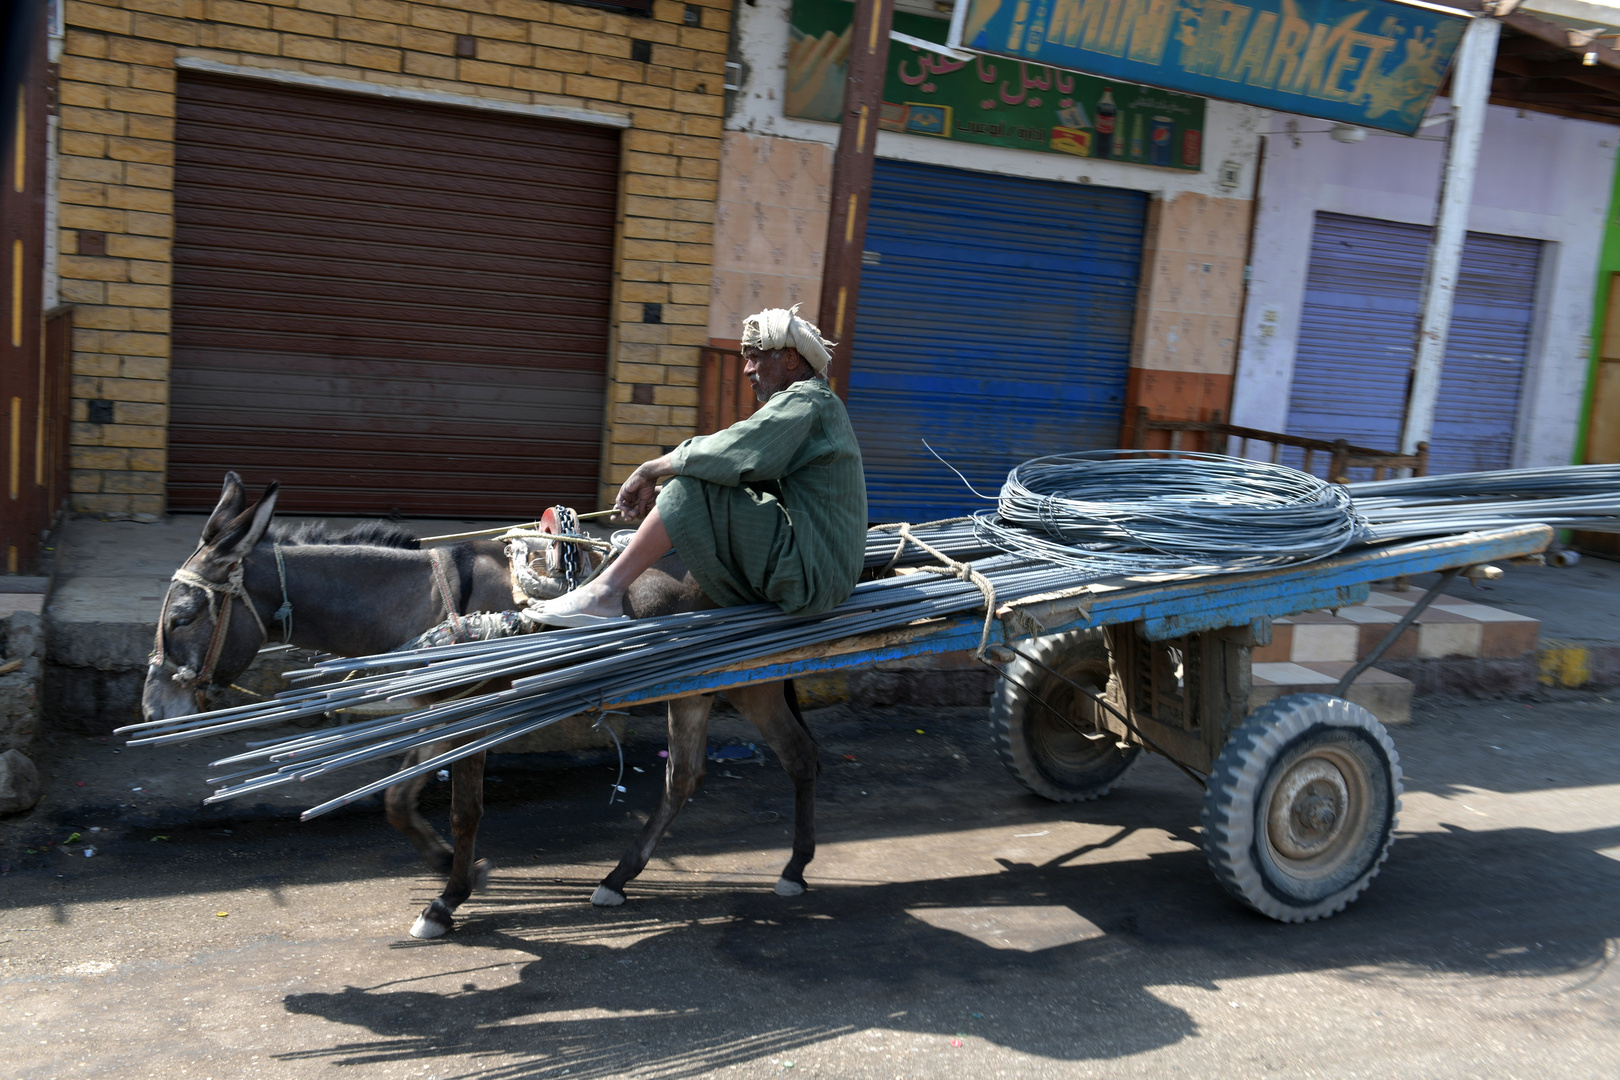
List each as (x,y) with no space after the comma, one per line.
(546,616)
(576,618)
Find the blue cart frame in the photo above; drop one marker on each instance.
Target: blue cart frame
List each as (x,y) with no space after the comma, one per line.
(1301,795)
(1167,608)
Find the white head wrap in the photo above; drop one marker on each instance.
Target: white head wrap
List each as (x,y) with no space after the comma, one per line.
(781,328)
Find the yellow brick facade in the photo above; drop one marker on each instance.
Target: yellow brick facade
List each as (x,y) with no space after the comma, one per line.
(117,131)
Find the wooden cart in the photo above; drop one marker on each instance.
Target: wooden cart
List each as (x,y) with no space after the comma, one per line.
(1301,795)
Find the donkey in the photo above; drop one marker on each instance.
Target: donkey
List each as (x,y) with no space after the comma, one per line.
(371,590)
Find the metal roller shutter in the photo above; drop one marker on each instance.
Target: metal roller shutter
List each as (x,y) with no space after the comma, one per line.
(387,306)
(995,321)
(1359,327)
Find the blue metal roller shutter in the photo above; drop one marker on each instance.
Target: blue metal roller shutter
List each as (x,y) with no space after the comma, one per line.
(1486,354)
(1359,326)
(994,321)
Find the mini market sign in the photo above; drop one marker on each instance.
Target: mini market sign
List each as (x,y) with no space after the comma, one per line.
(1373,63)
(987,100)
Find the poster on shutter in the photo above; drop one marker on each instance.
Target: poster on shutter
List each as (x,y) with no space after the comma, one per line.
(1372,63)
(988,99)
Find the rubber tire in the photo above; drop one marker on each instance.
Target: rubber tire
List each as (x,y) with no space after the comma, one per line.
(1044,754)
(1270,744)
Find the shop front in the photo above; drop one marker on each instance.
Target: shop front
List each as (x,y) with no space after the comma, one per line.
(1044,250)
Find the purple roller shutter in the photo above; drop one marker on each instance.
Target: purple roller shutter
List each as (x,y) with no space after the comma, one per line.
(1358,328)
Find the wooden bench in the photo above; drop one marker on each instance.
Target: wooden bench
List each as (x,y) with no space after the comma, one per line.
(1220,437)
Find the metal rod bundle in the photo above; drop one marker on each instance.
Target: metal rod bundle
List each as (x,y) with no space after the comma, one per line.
(1596,513)
(1583,497)
(1543,483)
(552,676)
(1061,520)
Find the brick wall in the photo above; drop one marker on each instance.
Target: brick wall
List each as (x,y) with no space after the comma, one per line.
(117,105)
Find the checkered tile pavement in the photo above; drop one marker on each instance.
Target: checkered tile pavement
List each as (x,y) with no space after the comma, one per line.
(1311,652)
(1449,627)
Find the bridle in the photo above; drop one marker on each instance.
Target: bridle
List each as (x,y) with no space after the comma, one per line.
(220,610)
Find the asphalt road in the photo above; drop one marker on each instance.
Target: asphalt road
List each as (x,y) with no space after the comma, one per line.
(955,927)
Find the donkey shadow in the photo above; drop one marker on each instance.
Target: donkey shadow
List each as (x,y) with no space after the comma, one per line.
(726,978)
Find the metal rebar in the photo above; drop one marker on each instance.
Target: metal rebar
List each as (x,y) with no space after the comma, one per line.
(1060,521)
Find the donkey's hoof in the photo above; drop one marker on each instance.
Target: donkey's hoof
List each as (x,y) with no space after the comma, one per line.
(435,921)
(480,874)
(606,897)
(425,927)
(786,887)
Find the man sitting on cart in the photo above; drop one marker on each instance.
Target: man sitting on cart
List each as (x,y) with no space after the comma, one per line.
(770,510)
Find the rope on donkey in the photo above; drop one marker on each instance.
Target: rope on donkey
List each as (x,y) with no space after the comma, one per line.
(284,613)
(219,611)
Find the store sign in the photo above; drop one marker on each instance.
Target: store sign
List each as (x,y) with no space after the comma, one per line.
(1375,63)
(1013,103)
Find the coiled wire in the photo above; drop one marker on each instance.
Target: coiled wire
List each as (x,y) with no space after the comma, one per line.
(1137,511)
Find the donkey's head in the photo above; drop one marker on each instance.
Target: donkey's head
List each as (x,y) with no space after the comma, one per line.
(208,630)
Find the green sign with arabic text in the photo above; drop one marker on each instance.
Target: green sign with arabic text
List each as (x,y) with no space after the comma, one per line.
(990,100)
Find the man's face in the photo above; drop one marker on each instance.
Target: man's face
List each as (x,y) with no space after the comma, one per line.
(770,371)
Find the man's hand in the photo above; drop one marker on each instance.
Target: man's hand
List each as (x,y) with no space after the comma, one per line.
(640,492)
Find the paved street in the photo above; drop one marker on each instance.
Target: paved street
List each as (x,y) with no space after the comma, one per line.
(955,925)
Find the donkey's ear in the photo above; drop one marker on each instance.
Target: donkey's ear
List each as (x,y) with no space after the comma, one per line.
(238,538)
(232,501)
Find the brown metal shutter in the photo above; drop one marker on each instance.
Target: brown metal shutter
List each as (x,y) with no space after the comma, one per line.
(388,306)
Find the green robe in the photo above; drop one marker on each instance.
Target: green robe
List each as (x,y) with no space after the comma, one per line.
(773,509)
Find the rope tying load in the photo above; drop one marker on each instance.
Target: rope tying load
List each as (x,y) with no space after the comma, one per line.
(962,570)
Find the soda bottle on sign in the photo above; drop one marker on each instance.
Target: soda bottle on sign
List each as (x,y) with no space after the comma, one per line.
(1105,125)
(1191,147)
(1136,137)
(1161,141)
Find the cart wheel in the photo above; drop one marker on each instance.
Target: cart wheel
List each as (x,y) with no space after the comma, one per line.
(1301,806)
(1050,754)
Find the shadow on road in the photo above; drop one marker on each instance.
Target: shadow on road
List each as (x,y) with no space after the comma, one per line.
(1108,949)
(713,976)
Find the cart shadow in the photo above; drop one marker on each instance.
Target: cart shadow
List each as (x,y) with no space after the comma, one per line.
(713,977)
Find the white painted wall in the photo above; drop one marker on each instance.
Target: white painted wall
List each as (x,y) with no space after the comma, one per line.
(1540,176)
(762,33)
